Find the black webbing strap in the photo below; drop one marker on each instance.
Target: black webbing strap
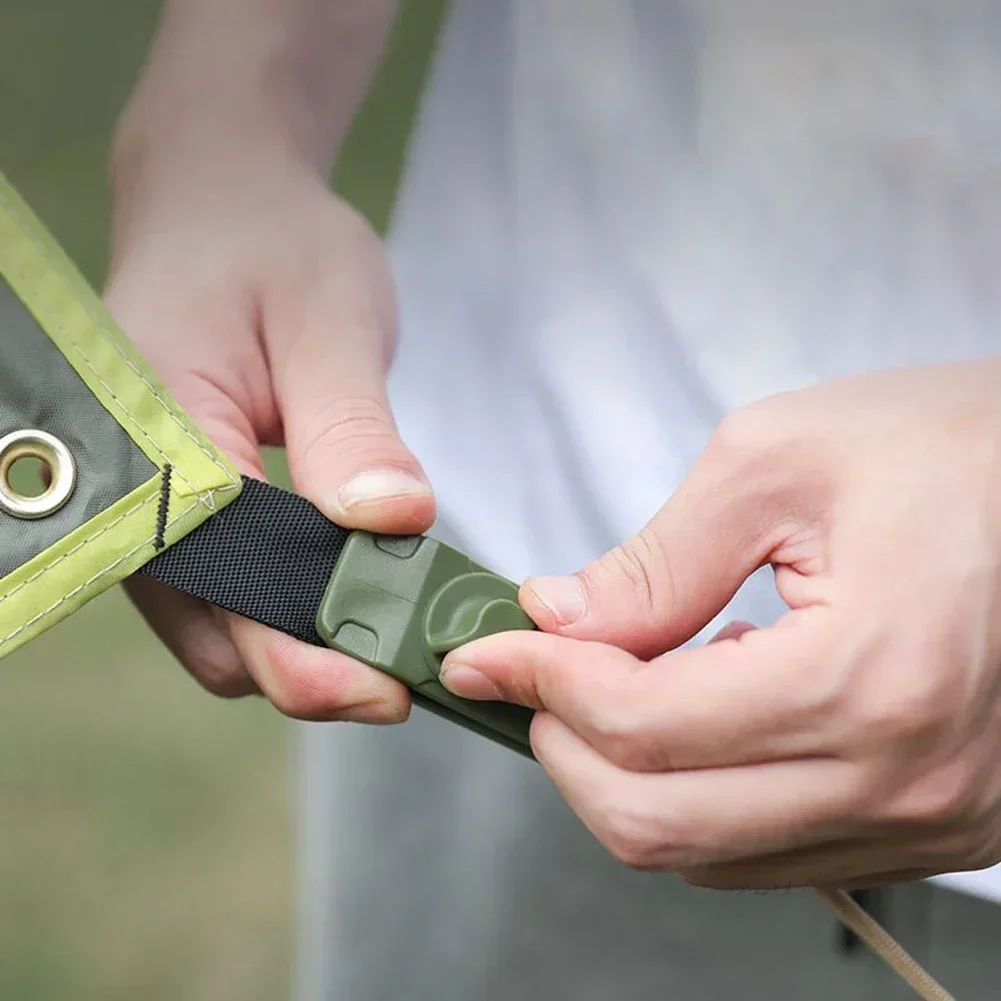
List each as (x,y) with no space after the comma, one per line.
(266,556)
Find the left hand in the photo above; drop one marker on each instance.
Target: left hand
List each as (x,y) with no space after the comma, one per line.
(855,742)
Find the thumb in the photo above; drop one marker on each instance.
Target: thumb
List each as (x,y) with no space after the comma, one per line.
(664,585)
(344,451)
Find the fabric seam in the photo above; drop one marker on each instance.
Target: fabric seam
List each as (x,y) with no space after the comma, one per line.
(82,544)
(69,595)
(35,267)
(204,497)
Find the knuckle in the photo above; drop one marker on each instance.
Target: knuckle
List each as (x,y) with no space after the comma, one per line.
(634,834)
(911,717)
(758,445)
(224,680)
(630,844)
(296,690)
(825,694)
(939,798)
(869,691)
(349,428)
(622,735)
(292,696)
(963,848)
(613,721)
(743,433)
(632,751)
(313,688)
(642,566)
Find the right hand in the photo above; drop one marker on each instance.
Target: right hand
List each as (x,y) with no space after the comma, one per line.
(266,306)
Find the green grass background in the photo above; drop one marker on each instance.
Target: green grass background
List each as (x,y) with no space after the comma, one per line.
(145,829)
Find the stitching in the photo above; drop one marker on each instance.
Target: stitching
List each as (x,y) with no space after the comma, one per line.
(205,497)
(86,584)
(80,545)
(207,501)
(91,538)
(163,509)
(97,321)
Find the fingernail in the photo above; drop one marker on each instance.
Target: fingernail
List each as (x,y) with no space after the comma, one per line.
(562,596)
(380,713)
(468,683)
(379,485)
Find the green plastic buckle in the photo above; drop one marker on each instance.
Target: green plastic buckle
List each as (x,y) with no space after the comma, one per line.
(401,603)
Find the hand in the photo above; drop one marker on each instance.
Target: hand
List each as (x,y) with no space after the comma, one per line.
(856,741)
(265,305)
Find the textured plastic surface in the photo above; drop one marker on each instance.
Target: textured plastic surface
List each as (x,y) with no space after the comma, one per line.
(401,603)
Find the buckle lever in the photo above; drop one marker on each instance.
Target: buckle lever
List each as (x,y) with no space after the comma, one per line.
(400,603)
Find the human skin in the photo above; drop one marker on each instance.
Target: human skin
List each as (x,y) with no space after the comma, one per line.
(855,742)
(264,302)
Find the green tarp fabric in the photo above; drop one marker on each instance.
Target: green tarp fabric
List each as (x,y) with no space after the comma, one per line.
(40,389)
(146,475)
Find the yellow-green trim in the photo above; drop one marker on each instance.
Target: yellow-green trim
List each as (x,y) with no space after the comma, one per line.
(74,317)
(85,563)
(118,541)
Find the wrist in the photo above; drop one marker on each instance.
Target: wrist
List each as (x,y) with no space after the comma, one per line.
(167,168)
(233,79)
(171,128)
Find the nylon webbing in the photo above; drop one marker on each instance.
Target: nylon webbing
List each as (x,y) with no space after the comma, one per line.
(268,557)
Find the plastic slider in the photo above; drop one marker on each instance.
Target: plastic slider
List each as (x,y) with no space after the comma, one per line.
(401,603)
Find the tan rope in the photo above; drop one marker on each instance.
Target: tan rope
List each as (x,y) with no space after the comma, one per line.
(884,945)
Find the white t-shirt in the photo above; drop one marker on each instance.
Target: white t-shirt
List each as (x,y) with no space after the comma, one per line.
(623,218)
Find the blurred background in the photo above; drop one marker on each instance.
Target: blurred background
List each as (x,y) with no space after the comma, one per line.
(146,829)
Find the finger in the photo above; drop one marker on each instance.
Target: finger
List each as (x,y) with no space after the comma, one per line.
(222,650)
(732,631)
(569,678)
(684,820)
(171,331)
(881,856)
(763,695)
(231,657)
(140,298)
(858,862)
(663,586)
(344,449)
(312,683)
(195,636)
(835,869)
(895,877)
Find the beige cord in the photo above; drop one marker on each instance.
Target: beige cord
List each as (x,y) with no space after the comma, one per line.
(883,944)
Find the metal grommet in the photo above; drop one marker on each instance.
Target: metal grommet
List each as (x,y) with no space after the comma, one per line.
(60,471)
